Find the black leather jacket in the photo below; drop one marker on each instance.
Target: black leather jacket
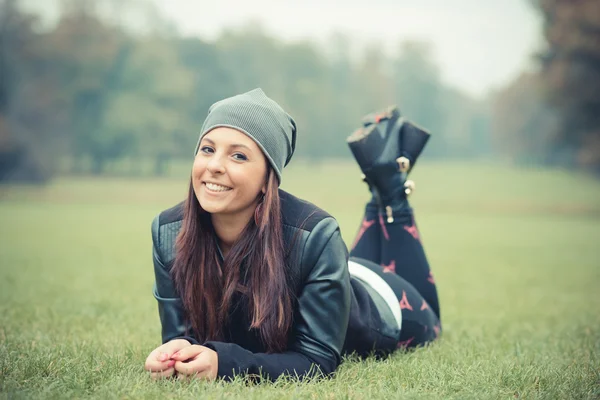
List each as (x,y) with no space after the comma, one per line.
(326,300)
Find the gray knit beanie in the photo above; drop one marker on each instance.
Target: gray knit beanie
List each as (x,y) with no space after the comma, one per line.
(259,117)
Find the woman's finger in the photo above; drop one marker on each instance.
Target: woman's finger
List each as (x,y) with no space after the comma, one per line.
(188,352)
(154,365)
(159,358)
(193,367)
(174,346)
(164,352)
(203,365)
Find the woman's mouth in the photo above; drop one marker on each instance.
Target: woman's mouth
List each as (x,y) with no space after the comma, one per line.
(213,187)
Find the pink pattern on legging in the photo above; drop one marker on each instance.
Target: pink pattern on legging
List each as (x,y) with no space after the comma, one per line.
(405,343)
(383,228)
(430,278)
(424,306)
(412,229)
(390,268)
(363,228)
(404,304)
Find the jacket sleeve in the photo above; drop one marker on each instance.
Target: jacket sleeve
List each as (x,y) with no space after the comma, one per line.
(170,306)
(320,320)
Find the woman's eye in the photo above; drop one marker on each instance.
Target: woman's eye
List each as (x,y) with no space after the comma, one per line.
(207,149)
(240,157)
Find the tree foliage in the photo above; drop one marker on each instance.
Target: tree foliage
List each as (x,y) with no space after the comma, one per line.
(571,76)
(90,92)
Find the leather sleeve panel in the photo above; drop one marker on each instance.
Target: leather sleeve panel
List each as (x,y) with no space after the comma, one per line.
(170,307)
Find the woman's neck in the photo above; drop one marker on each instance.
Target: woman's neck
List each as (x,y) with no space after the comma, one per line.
(229,228)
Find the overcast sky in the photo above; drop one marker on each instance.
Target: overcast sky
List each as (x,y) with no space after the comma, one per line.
(478,44)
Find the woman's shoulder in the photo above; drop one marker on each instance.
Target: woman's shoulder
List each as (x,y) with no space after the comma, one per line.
(301,214)
(312,236)
(170,215)
(165,228)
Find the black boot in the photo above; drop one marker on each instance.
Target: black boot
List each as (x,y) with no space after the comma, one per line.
(386,149)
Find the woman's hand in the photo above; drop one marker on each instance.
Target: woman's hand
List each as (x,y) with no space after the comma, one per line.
(196,361)
(160,362)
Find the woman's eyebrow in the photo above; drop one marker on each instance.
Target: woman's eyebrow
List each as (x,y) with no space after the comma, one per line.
(235,146)
(240,145)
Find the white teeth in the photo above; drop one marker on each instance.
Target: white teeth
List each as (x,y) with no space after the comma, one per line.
(216,188)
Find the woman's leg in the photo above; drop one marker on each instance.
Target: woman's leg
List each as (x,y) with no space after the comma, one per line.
(387,149)
(420,324)
(394,251)
(367,244)
(402,253)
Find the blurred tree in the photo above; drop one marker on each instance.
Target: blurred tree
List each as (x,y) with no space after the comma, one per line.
(149,105)
(571,77)
(344,81)
(104,92)
(308,97)
(31,111)
(523,126)
(375,86)
(211,80)
(418,92)
(89,57)
(466,129)
(251,58)
(127,94)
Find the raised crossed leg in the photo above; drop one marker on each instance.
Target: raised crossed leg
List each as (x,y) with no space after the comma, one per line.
(395,252)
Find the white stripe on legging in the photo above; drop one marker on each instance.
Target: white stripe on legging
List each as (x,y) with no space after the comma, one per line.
(376,282)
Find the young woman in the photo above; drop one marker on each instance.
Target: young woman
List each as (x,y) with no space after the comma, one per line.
(251,280)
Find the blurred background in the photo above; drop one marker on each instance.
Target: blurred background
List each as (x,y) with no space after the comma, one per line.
(121,87)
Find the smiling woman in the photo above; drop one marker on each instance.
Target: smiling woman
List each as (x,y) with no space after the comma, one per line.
(229,171)
(251,280)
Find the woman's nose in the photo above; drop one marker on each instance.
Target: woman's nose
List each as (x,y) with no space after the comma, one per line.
(215,164)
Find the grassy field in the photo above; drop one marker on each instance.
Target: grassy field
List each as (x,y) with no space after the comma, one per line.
(516,254)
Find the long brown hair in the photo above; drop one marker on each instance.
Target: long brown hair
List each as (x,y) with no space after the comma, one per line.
(207,285)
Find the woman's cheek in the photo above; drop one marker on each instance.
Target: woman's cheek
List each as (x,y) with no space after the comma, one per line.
(198,168)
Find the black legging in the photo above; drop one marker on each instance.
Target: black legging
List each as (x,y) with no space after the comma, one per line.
(394,251)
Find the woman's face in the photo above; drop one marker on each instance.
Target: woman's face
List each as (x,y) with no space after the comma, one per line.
(229,172)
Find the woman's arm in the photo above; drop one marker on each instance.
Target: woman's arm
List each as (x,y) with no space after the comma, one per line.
(170,306)
(320,322)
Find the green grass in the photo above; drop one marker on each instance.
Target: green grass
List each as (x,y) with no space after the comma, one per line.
(515,253)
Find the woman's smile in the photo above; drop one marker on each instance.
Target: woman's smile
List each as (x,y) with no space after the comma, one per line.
(216,188)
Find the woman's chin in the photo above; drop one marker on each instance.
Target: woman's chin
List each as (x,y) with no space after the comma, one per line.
(211,207)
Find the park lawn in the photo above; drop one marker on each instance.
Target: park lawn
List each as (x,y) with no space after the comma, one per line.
(515,253)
